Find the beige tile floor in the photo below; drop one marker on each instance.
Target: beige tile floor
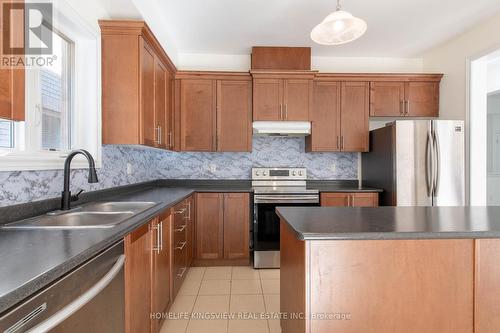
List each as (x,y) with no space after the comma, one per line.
(237,299)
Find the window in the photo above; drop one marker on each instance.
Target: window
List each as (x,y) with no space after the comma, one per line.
(49,99)
(62,100)
(6,134)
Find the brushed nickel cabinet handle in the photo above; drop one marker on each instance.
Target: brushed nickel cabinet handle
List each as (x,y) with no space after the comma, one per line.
(183,269)
(286,111)
(180,211)
(181,247)
(181,229)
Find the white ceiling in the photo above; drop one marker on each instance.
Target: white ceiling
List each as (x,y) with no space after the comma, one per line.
(396,28)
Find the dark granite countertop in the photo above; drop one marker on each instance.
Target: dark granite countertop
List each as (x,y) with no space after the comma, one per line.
(32,259)
(338,223)
(339,186)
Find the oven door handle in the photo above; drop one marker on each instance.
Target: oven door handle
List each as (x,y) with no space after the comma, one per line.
(286,198)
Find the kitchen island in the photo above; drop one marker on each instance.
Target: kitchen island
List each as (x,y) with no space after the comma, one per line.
(390,269)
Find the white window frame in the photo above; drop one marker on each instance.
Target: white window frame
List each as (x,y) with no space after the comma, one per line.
(86,100)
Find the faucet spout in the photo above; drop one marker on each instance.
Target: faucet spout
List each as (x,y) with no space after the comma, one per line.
(92,178)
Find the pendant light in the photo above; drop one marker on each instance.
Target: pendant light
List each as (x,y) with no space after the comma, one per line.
(339,27)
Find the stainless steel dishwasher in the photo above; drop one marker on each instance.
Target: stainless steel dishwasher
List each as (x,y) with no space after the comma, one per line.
(88,299)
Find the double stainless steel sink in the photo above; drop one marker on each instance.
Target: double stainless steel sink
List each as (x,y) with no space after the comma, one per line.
(99,215)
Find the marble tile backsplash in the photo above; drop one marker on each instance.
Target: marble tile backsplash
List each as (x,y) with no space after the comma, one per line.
(148,164)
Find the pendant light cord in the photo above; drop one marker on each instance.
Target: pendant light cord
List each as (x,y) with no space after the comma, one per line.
(339,7)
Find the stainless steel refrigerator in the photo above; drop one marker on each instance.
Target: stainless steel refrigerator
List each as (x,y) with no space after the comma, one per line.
(417,163)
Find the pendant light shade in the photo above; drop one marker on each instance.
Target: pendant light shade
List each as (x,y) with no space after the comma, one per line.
(339,27)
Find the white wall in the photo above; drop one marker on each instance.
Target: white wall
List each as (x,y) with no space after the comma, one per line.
(451,57)
(235,62)
(494,72)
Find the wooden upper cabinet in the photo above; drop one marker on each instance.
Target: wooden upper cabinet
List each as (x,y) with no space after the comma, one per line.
(281,96)
(209,226)
(354,117)
(147,96)
(422,99)
(161,105)
(298,99)
(234,115)
(325,118)
(414,96)
(236,225)
(387,99)
(198,118)
(12,81)
(214,109)
(136,85)
(267,99)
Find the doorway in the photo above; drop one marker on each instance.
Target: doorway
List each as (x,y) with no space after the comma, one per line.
(484,124)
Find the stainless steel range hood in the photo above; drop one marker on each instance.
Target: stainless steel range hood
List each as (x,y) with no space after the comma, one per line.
(281,128)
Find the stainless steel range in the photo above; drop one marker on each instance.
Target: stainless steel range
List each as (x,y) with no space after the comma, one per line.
(274,187)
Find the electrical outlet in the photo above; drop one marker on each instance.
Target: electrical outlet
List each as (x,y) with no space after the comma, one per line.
(333,167)
(130,170)
(212,167)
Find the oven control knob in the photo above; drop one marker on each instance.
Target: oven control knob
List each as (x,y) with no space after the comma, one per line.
(293,173)
(257,173)
(300,173)
(264,173)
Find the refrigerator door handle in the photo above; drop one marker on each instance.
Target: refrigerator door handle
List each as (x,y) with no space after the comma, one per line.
(437,159)
(429,165)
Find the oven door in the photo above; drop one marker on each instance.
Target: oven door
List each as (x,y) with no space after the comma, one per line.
(266,225)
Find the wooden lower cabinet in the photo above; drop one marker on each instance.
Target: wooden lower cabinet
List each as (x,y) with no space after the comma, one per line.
(236,226)
(209,226)
(161,275)
(381,286)
(222,228)
(487,282)
(156,263)
(138,272)
(358,199)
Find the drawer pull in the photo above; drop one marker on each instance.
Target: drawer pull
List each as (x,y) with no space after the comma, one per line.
(180,211)
(183,269)
(181,229)
(181,247)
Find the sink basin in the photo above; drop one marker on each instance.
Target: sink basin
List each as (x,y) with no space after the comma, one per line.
(99,215)
(134,206)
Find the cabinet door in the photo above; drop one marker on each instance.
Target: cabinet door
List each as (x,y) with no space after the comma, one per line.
(364,199)
(267,99)
(147,97)
(487,288)
(422,99)
(236,226)
(209,226)
(234,115)
(138,256)
(354,116)
(297,100)
(325,118)
(334,199)
(170,119)
(160,291)
(198,102)
(387,99)
(161,104)
(12,79)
